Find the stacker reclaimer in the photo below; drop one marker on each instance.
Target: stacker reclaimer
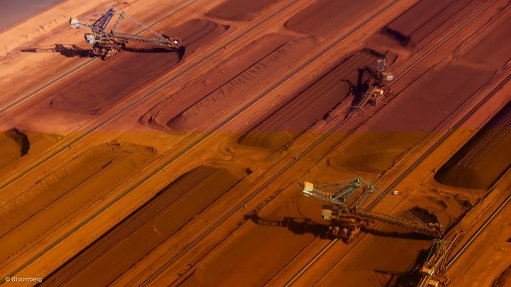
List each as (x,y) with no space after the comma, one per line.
(373,90)
(106,44)
(346,216)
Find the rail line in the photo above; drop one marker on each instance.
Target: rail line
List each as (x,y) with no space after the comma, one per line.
(301,155)
(203,234)
(139,100)
(187,149)
(179,153)
(308,265)
(478,232)
(262,187)
(430,150)
(410,169)
(82,65)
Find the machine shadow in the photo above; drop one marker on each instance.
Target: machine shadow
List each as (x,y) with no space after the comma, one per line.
(63,49)
(405,235)
(413,276)
(296,225)
(308,226)
(75,51)
(386,274)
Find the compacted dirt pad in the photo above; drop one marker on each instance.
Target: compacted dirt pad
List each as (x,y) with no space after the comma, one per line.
(482,160)
(236,10)
(55,199)
(286,98)
(255,252)
(111,80)
(133,238)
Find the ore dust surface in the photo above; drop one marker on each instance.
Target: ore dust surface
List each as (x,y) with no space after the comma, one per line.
(417,111)
(409,118)
(253,245)
(107,82)
(491,52)
(137,235)
(422,19)
(228,81)
(504,279)
(239,87)
(310,105)
(484,158)
(235,10)
(324,17)
(14,11)
(10,148)
(15,145)
(62,194)
(380,259)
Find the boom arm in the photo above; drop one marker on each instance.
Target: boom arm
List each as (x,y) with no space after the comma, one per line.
(168,42)
(339,210)
(431,228)
(100,24)
(342,192)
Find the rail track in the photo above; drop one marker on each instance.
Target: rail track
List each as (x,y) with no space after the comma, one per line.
(195,142)
(235,115)
(140,99)
(478,232)
(407,172)
(306,151)
(187,149)
(330,131)
(426,154)
(64,146)
(82,65)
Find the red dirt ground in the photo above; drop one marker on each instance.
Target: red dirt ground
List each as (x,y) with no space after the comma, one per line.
(14,11)
(410,117)
(504,279)
(129,241)
(323,17)
(10,148)
(482,160)
(165,236)
(57,198)
(236,90)
(308,106)
(422,19)
(109,81)
(235,262)
(235,10)
(213,80)
(500,55)
(15,145)
(381,259)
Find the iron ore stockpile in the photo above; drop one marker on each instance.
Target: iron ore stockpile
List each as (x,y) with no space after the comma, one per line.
(255,143)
